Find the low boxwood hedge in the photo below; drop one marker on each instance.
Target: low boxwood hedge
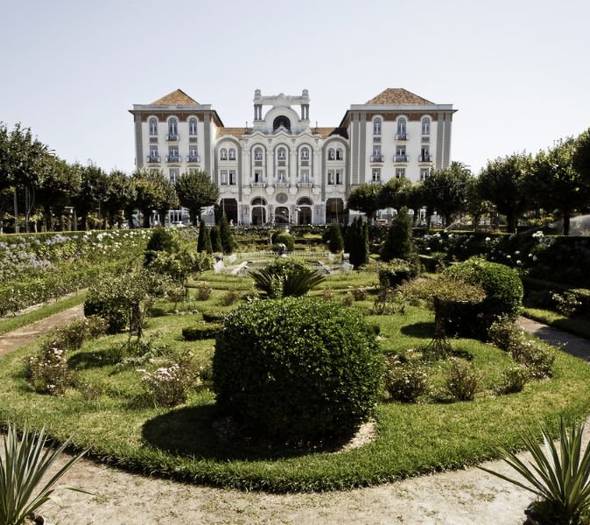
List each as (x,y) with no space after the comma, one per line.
(202,331)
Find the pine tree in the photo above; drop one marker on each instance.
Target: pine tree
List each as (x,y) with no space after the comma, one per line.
(216,239)
(358,240)
(227,240)
(398,243)
(201,238)
(335,239)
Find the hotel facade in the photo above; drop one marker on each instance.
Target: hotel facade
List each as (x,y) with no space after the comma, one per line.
(283,170)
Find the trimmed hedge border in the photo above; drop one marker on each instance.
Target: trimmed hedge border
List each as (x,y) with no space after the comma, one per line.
(199,332)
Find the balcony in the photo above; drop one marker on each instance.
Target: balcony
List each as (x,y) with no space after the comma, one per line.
(425,158)
(193,158)
(377,158)
(153,159)
(258,184)
(282,184)
(172,137)
(400,158)
(401,136)
(304,184)
(173,158)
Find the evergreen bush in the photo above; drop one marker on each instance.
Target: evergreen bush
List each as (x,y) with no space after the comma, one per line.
(398,243)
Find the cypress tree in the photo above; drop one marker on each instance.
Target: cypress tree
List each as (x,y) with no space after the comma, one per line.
(207,242)
(227,240)
(216,239)
(358,240)
(201,238)
(335,240)
(398,243)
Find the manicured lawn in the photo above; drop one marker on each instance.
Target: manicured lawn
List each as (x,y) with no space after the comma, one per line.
(12,323)
(576,325)
(120,427)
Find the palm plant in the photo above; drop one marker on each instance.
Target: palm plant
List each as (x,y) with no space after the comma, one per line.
(285,279)
(559,475)
(23,465)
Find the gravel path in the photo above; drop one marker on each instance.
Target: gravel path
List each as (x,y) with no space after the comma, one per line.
(463,497)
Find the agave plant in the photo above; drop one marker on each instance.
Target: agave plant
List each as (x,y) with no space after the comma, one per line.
(285,279)
(24,464)
(558,474)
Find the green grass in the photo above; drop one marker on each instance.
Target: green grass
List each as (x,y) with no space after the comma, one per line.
(576,325)
(12,323)
(121,428)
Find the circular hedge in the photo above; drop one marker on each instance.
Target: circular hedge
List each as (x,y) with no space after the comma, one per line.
(284,238)
(504,292)
(297,370)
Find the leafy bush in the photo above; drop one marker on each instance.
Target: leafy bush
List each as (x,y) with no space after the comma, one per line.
(503,296)
(73,335)
(334,239)
(284,238)
(405,382)
(566,304)
(396,272)
(225,236)
(348,299)
(47,371)
(198,332)
(285,278)
(505,333)
(170,385)
(161,240)
(513,379)
(537,358)
(203,292)
(214,316)
(398,243)
(359,294)
(357,242)
(297,370)
(462,380)
(230,297)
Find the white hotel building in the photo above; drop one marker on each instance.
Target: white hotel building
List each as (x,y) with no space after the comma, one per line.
(284,170)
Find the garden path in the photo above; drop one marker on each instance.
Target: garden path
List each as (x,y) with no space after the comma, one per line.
(463,497)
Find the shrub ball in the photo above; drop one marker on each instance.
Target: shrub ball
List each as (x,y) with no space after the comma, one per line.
(297,370)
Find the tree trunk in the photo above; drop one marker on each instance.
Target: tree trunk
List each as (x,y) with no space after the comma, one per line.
(566,221)
(16,225)
(512,222)
(146,218)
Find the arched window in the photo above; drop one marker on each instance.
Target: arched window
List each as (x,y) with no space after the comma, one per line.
(401,128)
(304,153)
(282,154)
(232,154)
(192,127)
(258,201)
(304,201)
(339,154)
(173,127)
(258,154)
(426,126)
(281,121)
(377,126)
(223,154)
(331,154)
(153,127)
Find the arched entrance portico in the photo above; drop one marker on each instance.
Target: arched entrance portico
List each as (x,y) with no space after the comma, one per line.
(258,211)
(304,215)
(334,211)
(230,208)
(282,215)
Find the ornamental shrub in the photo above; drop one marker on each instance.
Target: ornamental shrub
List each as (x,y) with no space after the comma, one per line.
(226,236)
(216,239)
(462,380)
(285,278)
(203,292)
(161,240)
(202,331)
(204,239)
(505,334)
(357,242)
(405,382)
(334,238)
(297,371)
(513,379)
(396,272)
(503,289)
(47,371)
(536,358)
(398,243)
(284,238)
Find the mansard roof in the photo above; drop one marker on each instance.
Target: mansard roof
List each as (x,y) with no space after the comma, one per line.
(233,132)
(176,97)
(327,132)
(398,96)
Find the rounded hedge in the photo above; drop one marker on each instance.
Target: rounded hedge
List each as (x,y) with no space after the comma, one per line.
(284,238)
(203,331)
(504,292)
(296,370)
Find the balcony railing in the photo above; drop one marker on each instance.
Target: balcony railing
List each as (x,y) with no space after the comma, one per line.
(304,184)
(193,158)
(172,137)
(172,158)
(153,159)
(425,158)
(400,158)
(401,136)
(258,184)
(377,158)
(282,184)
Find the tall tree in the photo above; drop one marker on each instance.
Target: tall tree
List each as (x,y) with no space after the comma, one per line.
(195,191)
(446,190)
(398,243)
(58,185)
(357,242)
(554,182)
(120,196)
(393,193)
(92,194)
(226,236)
(502,183)
(365,198)
(149,194)
(581,157)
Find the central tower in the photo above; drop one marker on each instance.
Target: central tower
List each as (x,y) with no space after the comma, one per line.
(281,115)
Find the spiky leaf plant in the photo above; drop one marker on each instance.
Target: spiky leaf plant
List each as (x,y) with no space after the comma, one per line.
(285,279)
(24,464)
(559,475)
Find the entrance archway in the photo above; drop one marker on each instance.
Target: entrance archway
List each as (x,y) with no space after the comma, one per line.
(258,211)
(334,211)
(282,215)
(304,215)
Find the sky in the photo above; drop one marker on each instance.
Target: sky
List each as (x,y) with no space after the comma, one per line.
(517,71)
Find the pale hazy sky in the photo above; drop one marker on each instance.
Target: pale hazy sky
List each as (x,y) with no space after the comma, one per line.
(518,71)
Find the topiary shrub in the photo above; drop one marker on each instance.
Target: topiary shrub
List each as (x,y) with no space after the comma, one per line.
(203,331)
(398,243)
(357,242)
(334,239)
(297,371)
(161,240)
(284,238)
(214,316)
(396,272)
(503,289)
